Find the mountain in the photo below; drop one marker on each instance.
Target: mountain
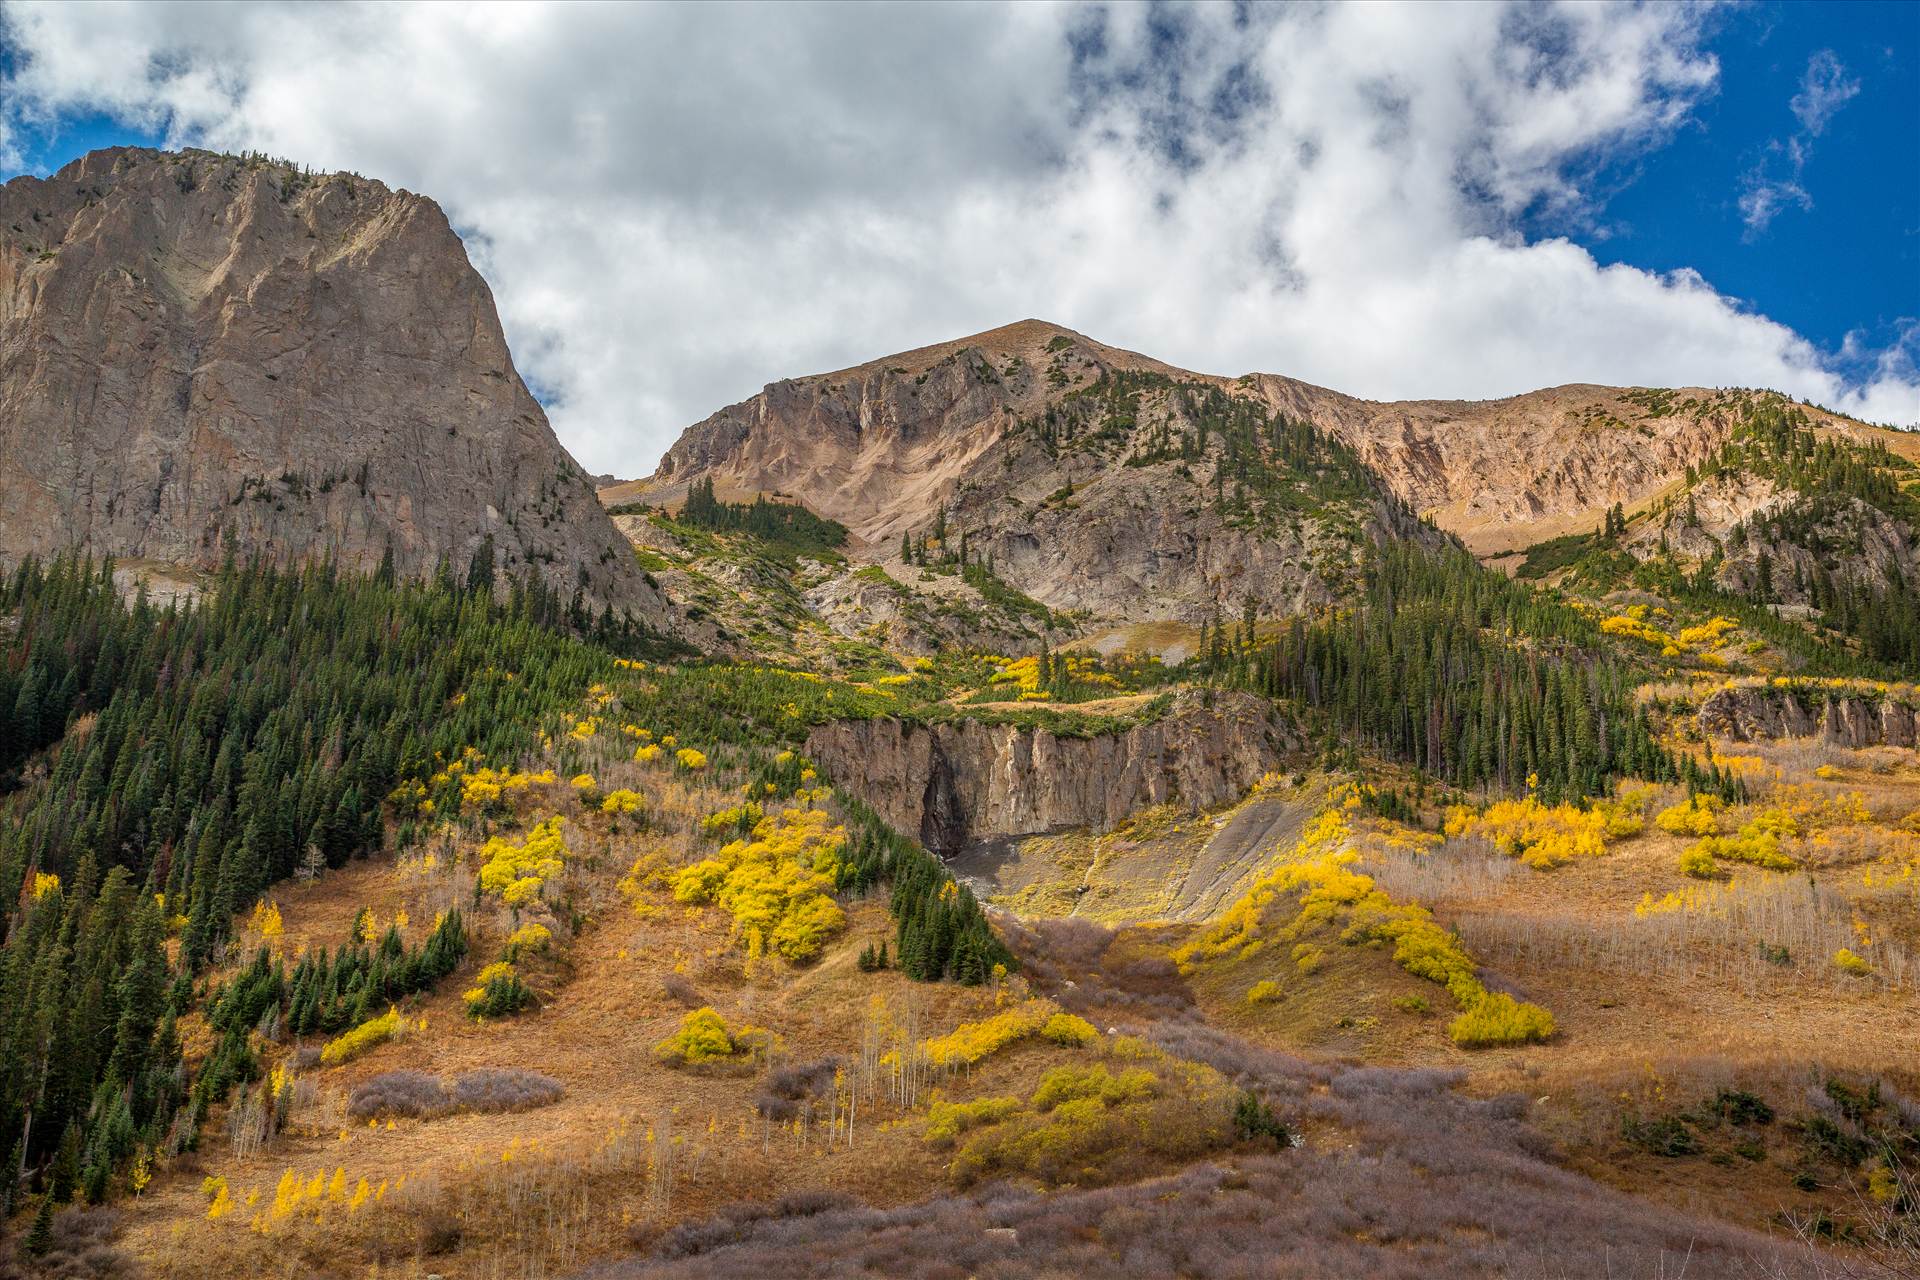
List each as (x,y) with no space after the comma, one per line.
(1120,489)
(1098,482)
(199,350)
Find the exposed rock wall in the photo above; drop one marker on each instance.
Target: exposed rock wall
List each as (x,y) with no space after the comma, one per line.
(199,349)
(961,781)
(1843,718)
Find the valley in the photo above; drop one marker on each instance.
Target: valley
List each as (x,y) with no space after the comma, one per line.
(1010,808)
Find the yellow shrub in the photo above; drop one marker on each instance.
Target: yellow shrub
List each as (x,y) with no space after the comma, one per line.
(971,1041)
(690,759)
(646,754)
(777,884)
(1694,817)
(1538,835)
(621,801)
(1697,861)
(1496,1018)
(702,1037)
(1851,963)
(373,1031)
(1066,1029)
(1264,991)
(1070,1084)
(532,936)
(515,873)
(1751,844)
(948,1120)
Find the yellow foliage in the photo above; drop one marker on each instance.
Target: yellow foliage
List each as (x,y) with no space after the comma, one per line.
(704,1036)
(265,920)
(1264,991)
(777,884)
(646,754)
(971,1041)
(516,873)
(44,883)
(490,788)
(621,801)
(1696,816)
(1496,1018)
(691,760)
(948,1120)
(372,1032)
(1326,888)
(1539,835)
(532,936)
(1066,1029)
(1851,963)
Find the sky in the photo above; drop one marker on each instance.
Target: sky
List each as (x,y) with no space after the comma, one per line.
(676,205)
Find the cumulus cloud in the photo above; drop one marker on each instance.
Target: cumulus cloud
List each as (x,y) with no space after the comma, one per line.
(1777,181)
(676,205)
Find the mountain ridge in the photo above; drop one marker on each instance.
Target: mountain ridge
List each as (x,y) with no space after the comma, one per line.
(201,352)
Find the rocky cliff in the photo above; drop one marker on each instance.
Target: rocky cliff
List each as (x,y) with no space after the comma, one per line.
(1864,717)
(198,350)
(961,781)
(1094,480)
(1091,475)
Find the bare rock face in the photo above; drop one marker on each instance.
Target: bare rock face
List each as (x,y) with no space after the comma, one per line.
(1842,717)
(1094,480)
(200,350)
(966,780)
(1122,522)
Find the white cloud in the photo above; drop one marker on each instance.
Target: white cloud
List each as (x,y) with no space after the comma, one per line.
(1824,89)
(1778,179)
(676,205)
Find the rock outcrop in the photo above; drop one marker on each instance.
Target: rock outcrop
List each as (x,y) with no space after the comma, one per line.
(1846,718)
(200,350)
(956,782)
(1128,511)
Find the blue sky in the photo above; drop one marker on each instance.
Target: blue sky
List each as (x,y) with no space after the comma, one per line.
(1852,261)
(678,204)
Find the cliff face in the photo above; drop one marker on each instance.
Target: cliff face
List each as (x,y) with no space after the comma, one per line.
(1844,718)
(1128,509)
(197,349)
(1094,480)
(955,783)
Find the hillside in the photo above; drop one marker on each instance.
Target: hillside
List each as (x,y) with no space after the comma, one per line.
(1123,821)
(201,352)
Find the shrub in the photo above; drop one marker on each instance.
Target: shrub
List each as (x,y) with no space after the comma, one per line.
(503,1089)
(516,873)
(946,1121)
(1264,991)
(1066,1029)
(621,801)
(1694,816)
(705,1037)
(971,1041)
(1496,1018)
(413,1094)
(1848,962)
(1663,1136)
(1254,1119)
(777,885)
(1737,1106)
(689,759)
(1072,1084)
(374,1031)
(1697,861)
(788,1086)
(1413,1004)
(532,936)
